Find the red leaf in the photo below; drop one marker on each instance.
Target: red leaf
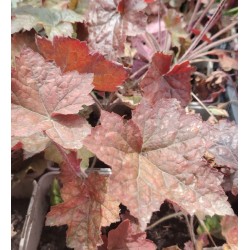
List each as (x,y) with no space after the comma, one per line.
(44,99)
(110,22)
(121,6)
(86,207)
(229,229)
(157,155)
(161,82)
(122,238)
(204,37)
(17,146)
(71,54)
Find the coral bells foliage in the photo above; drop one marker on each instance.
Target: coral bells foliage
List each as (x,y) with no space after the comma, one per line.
(157,155)
(71,54)
(60,83)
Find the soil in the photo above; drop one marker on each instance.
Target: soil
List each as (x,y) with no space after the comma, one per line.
(53,238)
(171,232)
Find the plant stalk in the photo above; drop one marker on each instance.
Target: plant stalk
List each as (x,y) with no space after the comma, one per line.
(190,230)
(203,13)
(198,52)
(208,233)
(196,8)
(204,106)
(139,71)
(208,25)
(97,102)
(165,218)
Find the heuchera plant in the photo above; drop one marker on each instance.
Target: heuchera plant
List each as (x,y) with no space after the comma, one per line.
(159,152)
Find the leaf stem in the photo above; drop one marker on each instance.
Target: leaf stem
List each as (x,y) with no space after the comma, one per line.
(139,71)
(204,60)
(159,23)
(97,102)
(152,42)
(203,13)
(204,106)
(205,227)
(199,51)
(62,151)
(93,163)
(208,25)
(196,8)
(212,38)
(190,229)
(165,218)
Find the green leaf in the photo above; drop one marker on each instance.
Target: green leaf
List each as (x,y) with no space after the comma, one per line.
(212,225)
(84,154)
(55,194)
(54,22)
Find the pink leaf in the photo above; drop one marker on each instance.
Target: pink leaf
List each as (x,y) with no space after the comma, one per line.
(161,82)
(229,229)
(222,143)
(71,54)
(110,22)
(86,207)
(157,155)
(122,238)
(21,40)
(45,100)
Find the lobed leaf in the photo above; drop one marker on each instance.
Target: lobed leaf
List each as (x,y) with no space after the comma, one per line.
(156,156)
(161,82)
(72,54)
(85,208)
(45,100)
(110,22)
(55,22)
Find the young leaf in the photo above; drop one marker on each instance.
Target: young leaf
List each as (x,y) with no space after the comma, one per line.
(72,54)
(222,143)
(110,22)
(157,156)
(85,208)
(176,27)
(55,22)
(44,99)
(122,238)
(161,82)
